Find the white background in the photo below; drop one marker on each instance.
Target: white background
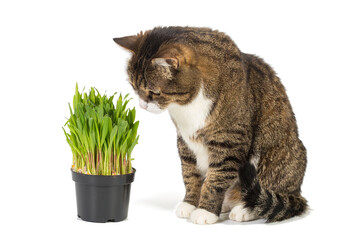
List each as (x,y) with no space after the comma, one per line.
(48,46)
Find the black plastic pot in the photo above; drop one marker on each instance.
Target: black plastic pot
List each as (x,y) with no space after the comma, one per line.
(102,198)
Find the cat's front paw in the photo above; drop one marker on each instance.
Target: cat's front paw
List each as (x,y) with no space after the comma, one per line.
(184,210)
(201,216)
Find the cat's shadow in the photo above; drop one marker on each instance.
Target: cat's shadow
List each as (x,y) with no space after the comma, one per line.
(166,202)
(224,219)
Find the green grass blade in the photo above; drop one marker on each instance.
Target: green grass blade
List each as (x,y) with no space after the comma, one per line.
(101,135)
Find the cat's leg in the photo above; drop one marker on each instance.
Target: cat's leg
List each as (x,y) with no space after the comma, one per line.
(226,153)
(192,180)
(212,196)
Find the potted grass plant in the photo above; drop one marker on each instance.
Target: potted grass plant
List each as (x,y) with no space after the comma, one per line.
(101,136)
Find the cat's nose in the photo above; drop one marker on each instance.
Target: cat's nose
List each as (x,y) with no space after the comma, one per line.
(142,103)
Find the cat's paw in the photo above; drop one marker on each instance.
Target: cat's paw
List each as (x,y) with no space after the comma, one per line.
(184,210)
(201,216)
(241,214)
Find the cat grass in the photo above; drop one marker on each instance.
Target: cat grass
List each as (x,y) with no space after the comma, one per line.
(101,135)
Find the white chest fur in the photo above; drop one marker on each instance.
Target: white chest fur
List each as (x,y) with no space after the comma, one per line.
(189,119)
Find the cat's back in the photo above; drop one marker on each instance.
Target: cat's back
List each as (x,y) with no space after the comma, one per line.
(262,79)
(205,41)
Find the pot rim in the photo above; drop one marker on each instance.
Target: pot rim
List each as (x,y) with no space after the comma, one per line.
(103,180)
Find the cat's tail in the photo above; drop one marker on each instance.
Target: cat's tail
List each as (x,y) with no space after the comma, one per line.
(265,203)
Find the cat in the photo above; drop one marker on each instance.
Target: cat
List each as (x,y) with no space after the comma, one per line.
(237,135)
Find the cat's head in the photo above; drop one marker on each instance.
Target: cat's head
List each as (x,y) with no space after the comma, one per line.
(161,71)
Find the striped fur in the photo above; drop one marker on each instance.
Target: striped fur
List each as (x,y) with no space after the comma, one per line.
(229,109)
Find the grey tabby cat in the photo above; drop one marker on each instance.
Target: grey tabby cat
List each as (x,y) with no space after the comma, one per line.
(237,134)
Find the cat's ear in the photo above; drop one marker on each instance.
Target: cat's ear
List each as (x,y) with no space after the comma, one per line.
(130,43)
(166,62)
(174,56)
(167,57)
